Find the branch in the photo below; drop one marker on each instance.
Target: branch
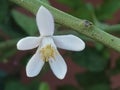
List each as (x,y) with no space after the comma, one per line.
(82,26)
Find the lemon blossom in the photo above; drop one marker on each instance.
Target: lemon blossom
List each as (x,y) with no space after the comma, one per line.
(47,46)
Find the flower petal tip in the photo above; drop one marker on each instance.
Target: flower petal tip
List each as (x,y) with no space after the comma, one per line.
(19,45)
(42,7)
(62,76)
(30,73)
(82,46)
(45,21)
(69,42)
(28,43)
(62,71)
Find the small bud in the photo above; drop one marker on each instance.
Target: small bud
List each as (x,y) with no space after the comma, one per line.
(87,23)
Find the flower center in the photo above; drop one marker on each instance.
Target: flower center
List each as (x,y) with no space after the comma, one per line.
(47,52)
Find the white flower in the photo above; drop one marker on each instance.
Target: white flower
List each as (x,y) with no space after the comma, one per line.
(47,46)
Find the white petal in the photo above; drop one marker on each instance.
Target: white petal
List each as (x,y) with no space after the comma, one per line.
(58,66)
(34,65)
(28,43)
(45,21)
(69,42)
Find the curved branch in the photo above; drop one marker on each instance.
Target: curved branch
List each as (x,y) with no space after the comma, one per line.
(82,26)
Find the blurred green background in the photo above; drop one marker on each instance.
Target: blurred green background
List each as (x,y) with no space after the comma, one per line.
(95,68)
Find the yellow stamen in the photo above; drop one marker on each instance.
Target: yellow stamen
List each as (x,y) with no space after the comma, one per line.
(47,52)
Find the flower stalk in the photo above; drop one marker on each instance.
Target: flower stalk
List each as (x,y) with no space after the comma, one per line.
(82,26)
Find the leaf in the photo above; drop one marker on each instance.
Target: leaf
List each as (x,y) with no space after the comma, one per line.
(3,10)
(8,49)
(7,53)
(28,24)
(67,87)
(116,70)
(99,87)
(78,8)
(9,31)
(91,59)
(107,9)
(70,3)
(12,85)
(89,79)
(44,86)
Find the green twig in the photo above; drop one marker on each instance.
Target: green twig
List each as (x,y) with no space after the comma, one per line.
(82,26)
(111,28)
(104,26)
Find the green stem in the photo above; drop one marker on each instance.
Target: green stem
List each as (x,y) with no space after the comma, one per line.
(111,28)
(82,26)
(106,27)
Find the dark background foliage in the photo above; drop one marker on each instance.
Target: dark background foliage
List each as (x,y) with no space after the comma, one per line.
(95,68)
